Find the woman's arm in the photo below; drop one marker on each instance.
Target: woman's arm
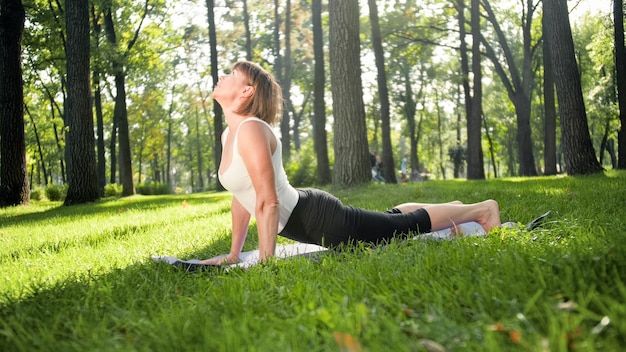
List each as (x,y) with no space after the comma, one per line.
(240,222)
(256,144)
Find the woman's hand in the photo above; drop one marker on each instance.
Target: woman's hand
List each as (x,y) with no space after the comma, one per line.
(223,259)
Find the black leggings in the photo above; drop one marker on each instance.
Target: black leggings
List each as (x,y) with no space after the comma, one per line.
(322,219)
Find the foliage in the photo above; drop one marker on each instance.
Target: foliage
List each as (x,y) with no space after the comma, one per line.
(153,188)
(301,168)
(56,192)
(113,190)
(85,281)
(37,193)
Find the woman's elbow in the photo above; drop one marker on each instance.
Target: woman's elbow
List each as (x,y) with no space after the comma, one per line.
(267,205)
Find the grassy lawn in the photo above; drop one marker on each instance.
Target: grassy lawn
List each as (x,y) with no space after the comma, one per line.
(81,279)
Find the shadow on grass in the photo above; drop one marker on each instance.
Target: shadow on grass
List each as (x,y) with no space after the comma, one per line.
(110,205)
(99,311)
(107,233)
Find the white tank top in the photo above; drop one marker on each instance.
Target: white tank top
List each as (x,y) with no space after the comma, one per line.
(236,179)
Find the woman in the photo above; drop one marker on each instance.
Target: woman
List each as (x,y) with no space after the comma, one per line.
(251,169)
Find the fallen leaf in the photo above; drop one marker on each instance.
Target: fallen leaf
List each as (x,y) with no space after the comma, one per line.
(346,342)
(497,327)
(515,336)
(567,305)
(431,346)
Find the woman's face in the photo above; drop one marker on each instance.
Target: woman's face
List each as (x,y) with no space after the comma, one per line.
(230,88)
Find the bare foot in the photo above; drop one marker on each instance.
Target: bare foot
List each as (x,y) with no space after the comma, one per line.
(490,216)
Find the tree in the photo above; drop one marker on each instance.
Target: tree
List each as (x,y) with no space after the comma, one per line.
(319,106)
(351,151)
(518,84)
(80,142)
(97,101)
(549,104)
(475,166)
(620,66)
(14,188)
(383,93)
(578,150)
(246,24)
(283,73)
(121,111)
(218,114)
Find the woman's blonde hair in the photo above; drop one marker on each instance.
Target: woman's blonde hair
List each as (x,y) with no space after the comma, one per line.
(267,101)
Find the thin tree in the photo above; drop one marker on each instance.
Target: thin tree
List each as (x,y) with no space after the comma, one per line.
(218,114)
(246,25)
(549,105)
(409,107)
(14,188)
(282,70)
(39,149)
(620,66)
(285,83)
(475,163)
(351,152)
(80,142)
(578,150)
(120,112)
(319,105)
(517,81)
(97,101)
(389,169)
(458,152)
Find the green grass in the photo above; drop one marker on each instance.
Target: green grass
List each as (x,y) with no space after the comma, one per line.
(81,279)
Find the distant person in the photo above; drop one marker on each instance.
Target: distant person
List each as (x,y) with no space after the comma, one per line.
(376,167)
(251,169)
(403,168)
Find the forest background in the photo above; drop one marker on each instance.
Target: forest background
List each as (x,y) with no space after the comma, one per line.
(463,89)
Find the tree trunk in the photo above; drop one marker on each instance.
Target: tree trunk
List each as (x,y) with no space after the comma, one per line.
(120,112)
(463,51)
(199,152)
(409,108)
(14,188)
(282,68)
(101,158)
(39,151)
(297,119)
(168,142)
(577,147)
(519,86)
(549,105)
(217,109)
(55,107)
(80,143)
(246,24)
(389,169)
(121,115)
(440,127)
(319,106)
(475,164)
(459,152)
(113,152)
(351,152)
(620,66)
(492,154)
(288,109)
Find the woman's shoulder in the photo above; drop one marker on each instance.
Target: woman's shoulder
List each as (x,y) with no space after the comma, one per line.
(254,133)
(258,126)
